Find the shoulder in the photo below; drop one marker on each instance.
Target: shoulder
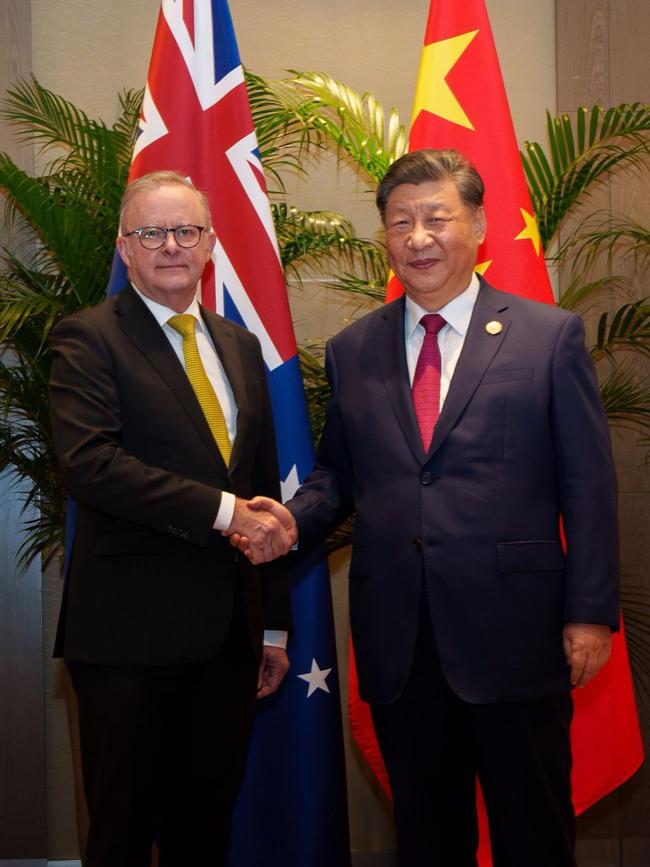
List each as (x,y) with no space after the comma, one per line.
(535,314)
(99,318)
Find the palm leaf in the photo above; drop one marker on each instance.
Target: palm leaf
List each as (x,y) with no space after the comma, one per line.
(312,240)
(610,234)
(626,328)
(580,295)
(355,123)
(626,399)
(580,155)
(284,124)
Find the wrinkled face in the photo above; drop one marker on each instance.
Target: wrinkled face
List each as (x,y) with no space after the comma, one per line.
(432,238)
(168,275)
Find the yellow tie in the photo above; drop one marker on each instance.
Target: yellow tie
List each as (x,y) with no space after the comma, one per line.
(184,323)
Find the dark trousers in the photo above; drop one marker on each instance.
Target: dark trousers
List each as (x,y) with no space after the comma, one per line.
(162,750)
(434,745)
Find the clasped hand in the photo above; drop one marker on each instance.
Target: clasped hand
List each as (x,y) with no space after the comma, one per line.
(262,529)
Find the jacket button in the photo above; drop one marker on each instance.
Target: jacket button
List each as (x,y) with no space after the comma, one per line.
(417,543)
(426,478)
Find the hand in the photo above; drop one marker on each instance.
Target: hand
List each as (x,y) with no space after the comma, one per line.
(586,647)
(258,532)
(274,666)
(280,513)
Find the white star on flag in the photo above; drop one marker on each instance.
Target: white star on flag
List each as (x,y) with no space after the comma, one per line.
(316,678)
(290,485)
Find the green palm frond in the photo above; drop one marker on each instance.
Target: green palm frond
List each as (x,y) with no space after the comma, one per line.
(68,224)
(283,119)
(65,222)
(355,122)
(580,154)
(626,399)
(627,328)
(371,286)
(311,240)
(582,296)
(610,234)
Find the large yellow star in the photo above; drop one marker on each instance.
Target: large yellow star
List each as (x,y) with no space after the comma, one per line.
(531,230)
(432,92)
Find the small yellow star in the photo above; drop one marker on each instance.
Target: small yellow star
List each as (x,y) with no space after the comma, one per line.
(531,231)
(432,92)
(481,267)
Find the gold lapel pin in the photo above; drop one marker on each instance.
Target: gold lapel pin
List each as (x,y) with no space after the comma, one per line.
(494,327)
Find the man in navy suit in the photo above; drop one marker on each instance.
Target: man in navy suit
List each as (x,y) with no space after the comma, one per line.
(459,441)
(162,621)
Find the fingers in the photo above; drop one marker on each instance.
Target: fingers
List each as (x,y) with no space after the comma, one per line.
(260,534)
(586,648)
(280,512)
(273,668)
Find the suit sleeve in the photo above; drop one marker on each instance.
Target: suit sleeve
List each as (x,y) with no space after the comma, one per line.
(586,479)
(87,429)
(326,498)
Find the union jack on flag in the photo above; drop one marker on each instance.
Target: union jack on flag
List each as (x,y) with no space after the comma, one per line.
(196,120)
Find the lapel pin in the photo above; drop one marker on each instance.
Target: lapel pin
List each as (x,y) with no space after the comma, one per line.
(494,327)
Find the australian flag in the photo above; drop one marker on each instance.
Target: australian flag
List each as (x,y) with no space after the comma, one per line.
(292,809)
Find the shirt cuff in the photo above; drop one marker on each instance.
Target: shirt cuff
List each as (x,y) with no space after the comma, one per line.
(226,511)
(276,638)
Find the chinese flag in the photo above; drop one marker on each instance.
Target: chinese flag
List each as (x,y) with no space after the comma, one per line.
(460,102)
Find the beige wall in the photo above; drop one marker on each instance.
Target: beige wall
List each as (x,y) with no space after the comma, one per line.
(88,50)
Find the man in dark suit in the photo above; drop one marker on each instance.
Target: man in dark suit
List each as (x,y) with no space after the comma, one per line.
(163,430)
(463,423)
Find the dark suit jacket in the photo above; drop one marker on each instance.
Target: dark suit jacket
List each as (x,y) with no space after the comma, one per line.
(521,439)
(150,581)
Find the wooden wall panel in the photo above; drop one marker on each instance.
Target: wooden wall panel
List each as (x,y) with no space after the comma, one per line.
(603,58)
(581,28)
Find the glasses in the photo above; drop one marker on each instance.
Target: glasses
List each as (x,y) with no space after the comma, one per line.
(153,237)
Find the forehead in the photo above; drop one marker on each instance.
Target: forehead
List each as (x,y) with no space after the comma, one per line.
(430,194)
(166,204)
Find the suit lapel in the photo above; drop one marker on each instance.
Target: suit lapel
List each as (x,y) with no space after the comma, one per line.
(478,350)
(389,344)
(141,327)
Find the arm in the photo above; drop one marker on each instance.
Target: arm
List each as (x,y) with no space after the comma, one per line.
(326,493)
(96,410)
(588,495)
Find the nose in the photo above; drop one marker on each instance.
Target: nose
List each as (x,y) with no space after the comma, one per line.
(170,244)
(420,237)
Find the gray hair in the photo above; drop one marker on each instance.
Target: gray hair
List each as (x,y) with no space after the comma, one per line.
(155,180)
(418,167)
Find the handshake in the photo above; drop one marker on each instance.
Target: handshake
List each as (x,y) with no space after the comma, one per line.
(262,529)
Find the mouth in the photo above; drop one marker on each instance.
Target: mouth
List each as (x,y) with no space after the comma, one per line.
(423,264)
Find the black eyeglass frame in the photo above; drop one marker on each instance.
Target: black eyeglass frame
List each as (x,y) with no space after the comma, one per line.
(166,230)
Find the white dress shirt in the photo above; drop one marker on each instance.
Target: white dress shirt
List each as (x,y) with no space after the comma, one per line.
(451,337)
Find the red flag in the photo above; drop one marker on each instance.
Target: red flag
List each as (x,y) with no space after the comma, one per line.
(460,102)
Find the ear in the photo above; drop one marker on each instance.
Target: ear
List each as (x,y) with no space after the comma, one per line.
(480,224)
(212,240)
(122,245)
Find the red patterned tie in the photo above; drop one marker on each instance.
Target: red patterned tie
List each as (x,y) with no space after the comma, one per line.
(426,381)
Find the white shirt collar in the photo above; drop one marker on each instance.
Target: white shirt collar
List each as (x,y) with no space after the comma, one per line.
(162,314)
(457,312)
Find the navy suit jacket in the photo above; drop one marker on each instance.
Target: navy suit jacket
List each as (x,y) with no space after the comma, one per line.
(150,582)
(522,439)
